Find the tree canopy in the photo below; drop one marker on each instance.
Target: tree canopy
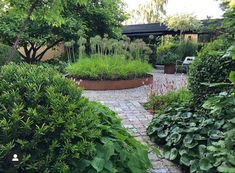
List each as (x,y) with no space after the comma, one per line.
(182,22)
(68,21)
(151,12)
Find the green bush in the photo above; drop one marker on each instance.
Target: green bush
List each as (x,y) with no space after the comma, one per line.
(180,50)
(163,49)
(170,58)
(56,64)
(108,67)
(44,116)
(186,48)
(159,103)
(212,65)
(187,135)
(4,54)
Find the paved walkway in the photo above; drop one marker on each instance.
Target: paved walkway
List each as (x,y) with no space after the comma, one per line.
(127,104)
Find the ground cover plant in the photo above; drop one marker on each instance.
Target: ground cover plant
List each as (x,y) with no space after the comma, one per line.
(44,116)
(197,141)
(108,68)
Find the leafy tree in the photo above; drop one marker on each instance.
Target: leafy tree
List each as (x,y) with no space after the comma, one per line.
(26,10)
(103,17)
(182,22)
(150,12)
(97,17)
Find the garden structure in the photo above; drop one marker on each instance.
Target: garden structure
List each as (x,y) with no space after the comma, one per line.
(113,64)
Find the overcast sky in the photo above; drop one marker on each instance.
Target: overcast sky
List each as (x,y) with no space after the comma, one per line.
(201,8)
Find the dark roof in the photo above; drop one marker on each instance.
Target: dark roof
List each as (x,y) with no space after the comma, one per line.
(144,28)
(157,28)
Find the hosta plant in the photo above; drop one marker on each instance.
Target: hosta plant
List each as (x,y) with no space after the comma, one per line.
(223,152)
(44,116)
(202,143)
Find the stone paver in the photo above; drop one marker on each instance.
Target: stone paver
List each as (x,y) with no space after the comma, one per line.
(127,104)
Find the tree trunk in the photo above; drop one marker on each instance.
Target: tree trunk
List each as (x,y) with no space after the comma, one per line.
(22,28)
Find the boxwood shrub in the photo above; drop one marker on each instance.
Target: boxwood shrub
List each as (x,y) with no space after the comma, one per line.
(44,116)
(212,65)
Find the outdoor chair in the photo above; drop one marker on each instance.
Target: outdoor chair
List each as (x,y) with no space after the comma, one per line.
(184,64)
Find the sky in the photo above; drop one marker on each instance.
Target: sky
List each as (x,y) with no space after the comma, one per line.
(201,8)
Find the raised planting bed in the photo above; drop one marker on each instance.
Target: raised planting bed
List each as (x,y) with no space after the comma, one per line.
(114,84)
(110,73)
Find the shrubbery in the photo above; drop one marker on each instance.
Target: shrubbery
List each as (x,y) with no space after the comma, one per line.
(159,103)
(4,54)
(108,68)
(212,65)
(45,117)
(201,142)
(201,135)
(177,50)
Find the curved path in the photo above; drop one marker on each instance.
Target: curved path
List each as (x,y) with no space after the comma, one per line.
(127,104)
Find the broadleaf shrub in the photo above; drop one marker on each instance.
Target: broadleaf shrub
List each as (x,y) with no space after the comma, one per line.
(44,116)
(212,65)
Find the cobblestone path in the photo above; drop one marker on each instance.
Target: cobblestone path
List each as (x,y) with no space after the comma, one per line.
(127,104)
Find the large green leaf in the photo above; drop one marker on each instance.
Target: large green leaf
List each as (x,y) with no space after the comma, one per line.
(98,164)
(215,134)
(188,139)
(108,150)
(191,145)
(185,159)
(194,166)
(204,164)
(232,76)
(202,150)
(174,138)
(170,154)
(226,169)
(109,166)
(163,133)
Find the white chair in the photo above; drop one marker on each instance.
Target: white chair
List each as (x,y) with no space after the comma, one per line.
(187,61)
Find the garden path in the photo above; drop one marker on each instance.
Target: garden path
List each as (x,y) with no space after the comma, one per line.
(128,105)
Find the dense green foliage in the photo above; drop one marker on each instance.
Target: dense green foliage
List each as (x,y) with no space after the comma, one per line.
(75,20)
(172,50)
(159,103)
(108,68)
(4,52)
(212,65)
(202,140)
(232,73)
(223,151)
(187,135)
(44,116)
